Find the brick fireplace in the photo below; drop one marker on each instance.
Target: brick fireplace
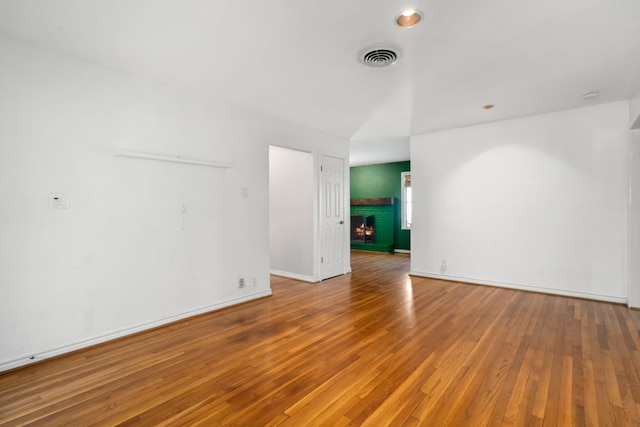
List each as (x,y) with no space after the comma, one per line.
(381,212)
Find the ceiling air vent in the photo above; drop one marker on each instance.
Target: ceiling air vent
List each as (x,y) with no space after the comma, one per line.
(379,56)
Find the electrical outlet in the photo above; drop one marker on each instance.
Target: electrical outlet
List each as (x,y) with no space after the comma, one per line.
(443,266)
(254,282)
(241,282)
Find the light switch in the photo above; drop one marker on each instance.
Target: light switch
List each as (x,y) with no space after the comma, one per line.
(59,201)
(245,191)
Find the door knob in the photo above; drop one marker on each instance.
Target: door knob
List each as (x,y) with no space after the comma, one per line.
(341,222)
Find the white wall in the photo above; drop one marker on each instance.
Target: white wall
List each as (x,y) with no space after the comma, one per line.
(291,213)
(634,109)
(634,220)
(144,242)
(535,203)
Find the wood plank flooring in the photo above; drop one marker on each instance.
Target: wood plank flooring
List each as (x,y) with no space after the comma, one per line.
(372,348)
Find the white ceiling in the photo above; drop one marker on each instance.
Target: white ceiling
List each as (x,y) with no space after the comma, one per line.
(297,59)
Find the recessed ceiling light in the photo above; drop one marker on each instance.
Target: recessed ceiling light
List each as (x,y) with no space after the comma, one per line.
(409,18)
(591,95)
(488,106)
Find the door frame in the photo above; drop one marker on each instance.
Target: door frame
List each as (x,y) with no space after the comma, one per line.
(317,242)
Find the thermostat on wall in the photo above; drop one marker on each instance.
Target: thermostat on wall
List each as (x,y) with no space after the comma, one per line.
(59,201)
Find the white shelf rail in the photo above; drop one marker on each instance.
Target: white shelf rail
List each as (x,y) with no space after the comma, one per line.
(173,159)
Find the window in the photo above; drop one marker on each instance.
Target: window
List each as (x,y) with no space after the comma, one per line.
(406,200)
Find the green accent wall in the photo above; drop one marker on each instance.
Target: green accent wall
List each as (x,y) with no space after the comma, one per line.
(382,180)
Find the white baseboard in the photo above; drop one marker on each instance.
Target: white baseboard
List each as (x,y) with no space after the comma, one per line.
(402,251)
(295,276)
(23,361)
(584,295)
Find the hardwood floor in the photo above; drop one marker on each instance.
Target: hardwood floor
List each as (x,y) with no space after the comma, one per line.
(375,348)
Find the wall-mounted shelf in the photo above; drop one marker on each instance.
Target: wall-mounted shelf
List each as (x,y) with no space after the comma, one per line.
(374,201)
(173,159)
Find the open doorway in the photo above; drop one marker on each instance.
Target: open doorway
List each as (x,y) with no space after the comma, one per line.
(292,229)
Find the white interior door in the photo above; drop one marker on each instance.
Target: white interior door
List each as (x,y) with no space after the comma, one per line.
(331,217)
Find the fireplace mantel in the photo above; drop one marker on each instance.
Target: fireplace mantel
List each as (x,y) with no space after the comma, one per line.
(374,201)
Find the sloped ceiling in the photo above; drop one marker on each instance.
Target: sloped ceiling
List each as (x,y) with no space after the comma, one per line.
(298,59)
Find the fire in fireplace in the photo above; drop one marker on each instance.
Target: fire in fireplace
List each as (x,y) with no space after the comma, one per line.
(362,229)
